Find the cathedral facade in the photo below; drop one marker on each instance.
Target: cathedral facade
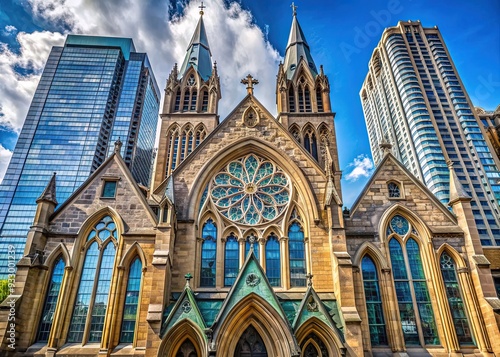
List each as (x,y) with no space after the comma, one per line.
(241,246)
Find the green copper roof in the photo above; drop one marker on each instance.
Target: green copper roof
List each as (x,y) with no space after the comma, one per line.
(198,54)
(125,44)
(296,49)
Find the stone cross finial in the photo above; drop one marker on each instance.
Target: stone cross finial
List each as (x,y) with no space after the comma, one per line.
(188,277)
(294,9)
(201,7)
(250,82)
(309,277)
(118,146)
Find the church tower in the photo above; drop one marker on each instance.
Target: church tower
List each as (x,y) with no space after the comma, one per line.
(190,107)
(303,100)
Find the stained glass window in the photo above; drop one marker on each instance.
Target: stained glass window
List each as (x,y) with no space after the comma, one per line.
(297,261)
(131,301)
(291,100)
(89,300)
(256,248)
(51,300)
(374,309)
(204,104)
(415,308)
(319,99)
(454,295)
(194,97)
(208,254)
(250,190)
(273,261)
(231,260)
(394,191)
(250,344)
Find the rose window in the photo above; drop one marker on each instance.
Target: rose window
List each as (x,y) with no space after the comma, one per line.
(250,190)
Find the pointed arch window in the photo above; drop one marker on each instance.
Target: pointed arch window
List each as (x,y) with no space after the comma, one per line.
(307,99)
(314,346)
(256,250)
(208,254)
(415,308)
(273,260)
(231,260)
(187,349)
(49,307)
(319,99)
(291,99)
(87,321)
(177,100)
(175,150)
(194,98)
(200,135)
(454,295)
(310,142)
(297,259)
(185,104)
(131,301)
(250,344)
(186,143)
(204,103)
(376,322)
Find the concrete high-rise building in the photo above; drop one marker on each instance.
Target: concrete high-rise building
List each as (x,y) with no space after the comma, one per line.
(413,98)
(93,91)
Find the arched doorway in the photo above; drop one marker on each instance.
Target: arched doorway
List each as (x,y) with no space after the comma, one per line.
(250,344)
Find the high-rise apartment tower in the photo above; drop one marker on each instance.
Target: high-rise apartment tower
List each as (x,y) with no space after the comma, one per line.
(413,98)
(93,91)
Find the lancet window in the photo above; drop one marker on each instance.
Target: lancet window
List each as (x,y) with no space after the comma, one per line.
(415,308)
(208,254)
(297,254)
(273,260)
(131,301)
(49,307)
(231,260)
(87,320)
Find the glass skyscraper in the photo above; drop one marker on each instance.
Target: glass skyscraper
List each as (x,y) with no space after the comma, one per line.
(414,99)
(93,91)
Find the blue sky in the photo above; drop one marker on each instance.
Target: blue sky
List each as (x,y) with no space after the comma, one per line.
(341,34)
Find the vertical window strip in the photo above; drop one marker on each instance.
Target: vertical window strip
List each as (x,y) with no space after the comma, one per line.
(457,308)
(131,302)
(183,146)
(231,260)
(403,293)
(204,105)
(174,151)
(307,99)
(190,143)
(301,99)
(101,296)
(273,261)
(51,301)
(291,100)
(314,147)
(208,254)
(185,104)
(319,100)
(83,297)
(194,97)
(297,257)
(256,249)
(422,297)
(376,322)
(177,100)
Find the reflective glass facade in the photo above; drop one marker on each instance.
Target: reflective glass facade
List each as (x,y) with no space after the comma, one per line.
(414,99)
(92,91)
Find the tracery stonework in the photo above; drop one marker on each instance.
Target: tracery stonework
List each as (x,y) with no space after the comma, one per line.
(251,190)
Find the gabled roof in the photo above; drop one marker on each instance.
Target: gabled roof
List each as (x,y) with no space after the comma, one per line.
(114,157)
(312,306)
(297,49)
(198,54)
(186,307)
(389,158)
(251,280)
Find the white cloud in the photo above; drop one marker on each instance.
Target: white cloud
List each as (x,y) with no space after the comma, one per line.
(9,29)
(5,156)
(16,90)
(238,46)
(362,167)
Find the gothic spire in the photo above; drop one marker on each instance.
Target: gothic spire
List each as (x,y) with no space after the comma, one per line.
(198,54)
(297,49)
(49,194)
(457,191)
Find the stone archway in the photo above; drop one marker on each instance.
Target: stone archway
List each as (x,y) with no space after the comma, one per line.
(250,344)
